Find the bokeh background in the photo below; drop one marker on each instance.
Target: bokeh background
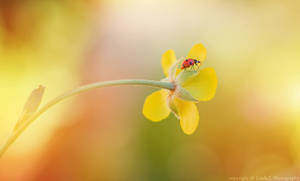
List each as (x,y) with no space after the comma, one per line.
(250,128)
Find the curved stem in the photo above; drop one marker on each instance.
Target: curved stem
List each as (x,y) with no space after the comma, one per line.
(18,132)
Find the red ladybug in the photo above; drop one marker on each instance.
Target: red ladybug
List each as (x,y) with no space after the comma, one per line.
(189,63)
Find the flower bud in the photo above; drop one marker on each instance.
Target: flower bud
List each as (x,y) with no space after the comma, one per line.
(181,79)
(184,94)
(31,106)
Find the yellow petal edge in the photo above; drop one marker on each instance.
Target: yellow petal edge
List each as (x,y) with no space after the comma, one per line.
(189,116)
(203,85)
(198,52)
(156,106)
(167,60)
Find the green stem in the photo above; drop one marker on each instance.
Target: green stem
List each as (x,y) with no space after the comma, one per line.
(18,132)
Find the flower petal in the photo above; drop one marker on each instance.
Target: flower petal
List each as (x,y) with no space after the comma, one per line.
(156,106)
(198,52)
(202,86)
(188,114)
(167,60)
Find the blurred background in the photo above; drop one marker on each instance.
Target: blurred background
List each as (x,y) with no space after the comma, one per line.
(250,128)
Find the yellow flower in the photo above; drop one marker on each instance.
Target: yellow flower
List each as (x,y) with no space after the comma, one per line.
(191,86)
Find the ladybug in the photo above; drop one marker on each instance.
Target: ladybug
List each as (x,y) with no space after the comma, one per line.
(189,63)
